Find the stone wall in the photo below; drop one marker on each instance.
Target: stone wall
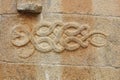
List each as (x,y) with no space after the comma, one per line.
(59,39)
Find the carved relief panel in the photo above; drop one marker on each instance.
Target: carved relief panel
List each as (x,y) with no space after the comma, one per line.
(55,37)
(59,40)
(42,37)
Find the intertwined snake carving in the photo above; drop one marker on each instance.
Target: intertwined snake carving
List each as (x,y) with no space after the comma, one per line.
(57,36)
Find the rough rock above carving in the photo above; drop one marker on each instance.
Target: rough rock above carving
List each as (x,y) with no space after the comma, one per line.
(29,8)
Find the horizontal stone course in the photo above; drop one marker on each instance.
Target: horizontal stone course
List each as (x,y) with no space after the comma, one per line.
(98,56)
(52,72)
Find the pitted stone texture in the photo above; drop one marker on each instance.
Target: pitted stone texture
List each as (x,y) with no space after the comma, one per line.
(0,7)
(8,6)
(47,5)
(90,73)
(106,7)
(76,6)
(29,8)
(90,7)
(20,72)
(51,6)
(13,71)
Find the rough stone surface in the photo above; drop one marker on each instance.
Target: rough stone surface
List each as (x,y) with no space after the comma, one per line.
(87,7)
(29,8)
(68,40)
(8,6)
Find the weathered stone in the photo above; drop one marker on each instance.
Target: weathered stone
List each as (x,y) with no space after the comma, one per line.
(0,7)
(90,73)
(8,6)
(77,6)
(29,8)
(21,72)
(51,72)
(52,6)
(94,56)
(90,7)
(69,40)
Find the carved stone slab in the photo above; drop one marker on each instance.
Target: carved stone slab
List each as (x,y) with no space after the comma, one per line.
(80,42)
(56,37)
(69,40)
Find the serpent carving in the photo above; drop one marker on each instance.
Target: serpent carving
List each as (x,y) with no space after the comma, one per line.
(56,36)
